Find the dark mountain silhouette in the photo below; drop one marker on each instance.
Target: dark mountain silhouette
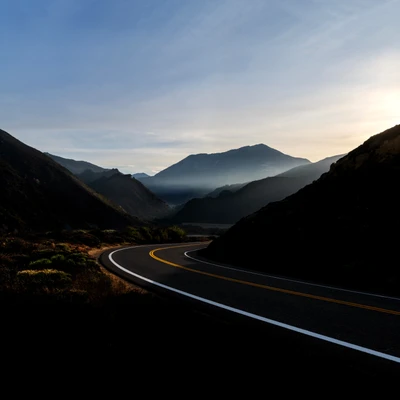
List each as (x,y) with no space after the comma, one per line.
(199,174)
(229,206)
(123,190)
(140,175)
(340,229)
(131,195)
(38,194)
(89,176)
(226,188)
(76,167)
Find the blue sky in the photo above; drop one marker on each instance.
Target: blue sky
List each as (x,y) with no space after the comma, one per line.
(141,84)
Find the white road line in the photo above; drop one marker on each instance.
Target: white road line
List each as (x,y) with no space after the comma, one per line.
(255,316)
(288,279)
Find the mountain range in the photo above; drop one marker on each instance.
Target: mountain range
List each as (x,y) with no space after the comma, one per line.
(76,167)
(39,194)
(122,189)
(199,174)
(342,228)
(140,175)
(230,203)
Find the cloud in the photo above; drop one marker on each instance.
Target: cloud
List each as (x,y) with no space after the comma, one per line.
(131,84)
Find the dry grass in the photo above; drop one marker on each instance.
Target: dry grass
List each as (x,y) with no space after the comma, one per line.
(119,285)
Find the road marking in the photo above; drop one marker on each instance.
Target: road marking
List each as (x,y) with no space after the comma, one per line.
(286,279)
(255,316)
(272,288)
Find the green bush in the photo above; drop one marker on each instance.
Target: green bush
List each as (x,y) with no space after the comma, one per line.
(79,258)
(43,253)
(147,233)
(58,259)
(63,247)
(175,233)
(44,278)
(133,234)
(92,265)
(42,263)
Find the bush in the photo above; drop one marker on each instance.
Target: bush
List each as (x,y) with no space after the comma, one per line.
(43,263)
(79,258)
(58,259)
(147,234)
(43,253)
(63,247)
(175,233)
(44,278)
(16,246)
(95,283)
(133,234)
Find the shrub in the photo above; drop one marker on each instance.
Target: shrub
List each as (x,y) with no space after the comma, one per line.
(161,235)
(63,247)
(79,258)
(147,233)
(175,233)
(43,253)
(44,278)
(58,258)
(6,260)
(16,245)
(92,265)
(95,283)
(40,264)
(133,234)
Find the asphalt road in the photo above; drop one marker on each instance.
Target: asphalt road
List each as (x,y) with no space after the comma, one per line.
(358,328)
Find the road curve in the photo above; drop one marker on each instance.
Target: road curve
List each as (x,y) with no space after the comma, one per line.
(365,325)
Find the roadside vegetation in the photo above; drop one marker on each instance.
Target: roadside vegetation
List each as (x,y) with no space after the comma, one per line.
(55,295)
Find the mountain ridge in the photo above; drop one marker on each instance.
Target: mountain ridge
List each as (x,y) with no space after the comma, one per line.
(76,166)
(199,174)
(231,205)
(40,194)
(122,189)
(337,230)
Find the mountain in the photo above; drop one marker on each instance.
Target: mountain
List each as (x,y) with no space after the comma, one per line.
(123,190)
(226,188)
(89,176)
(198,174)
(341,229)
(131,195)
(38,194)
(140,175)
(234,202)
(76,167)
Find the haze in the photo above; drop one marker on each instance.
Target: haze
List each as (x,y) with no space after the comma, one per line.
(139,85)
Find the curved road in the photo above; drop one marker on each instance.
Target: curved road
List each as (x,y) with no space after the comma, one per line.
(366,326)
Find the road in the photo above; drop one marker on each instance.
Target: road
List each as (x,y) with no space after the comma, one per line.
(361,326)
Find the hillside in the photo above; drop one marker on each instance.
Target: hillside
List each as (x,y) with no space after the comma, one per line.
(39,194)
(229,206)
(140,175)
(199,174)
(123,190)
(89,176)
(339,229)
(76,167)
(131,195)
(226,188)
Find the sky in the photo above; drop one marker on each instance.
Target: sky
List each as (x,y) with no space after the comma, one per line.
(141,84)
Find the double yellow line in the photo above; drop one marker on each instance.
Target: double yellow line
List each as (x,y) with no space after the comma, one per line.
(272,288)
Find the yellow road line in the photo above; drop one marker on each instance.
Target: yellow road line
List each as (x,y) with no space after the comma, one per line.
(272,288)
